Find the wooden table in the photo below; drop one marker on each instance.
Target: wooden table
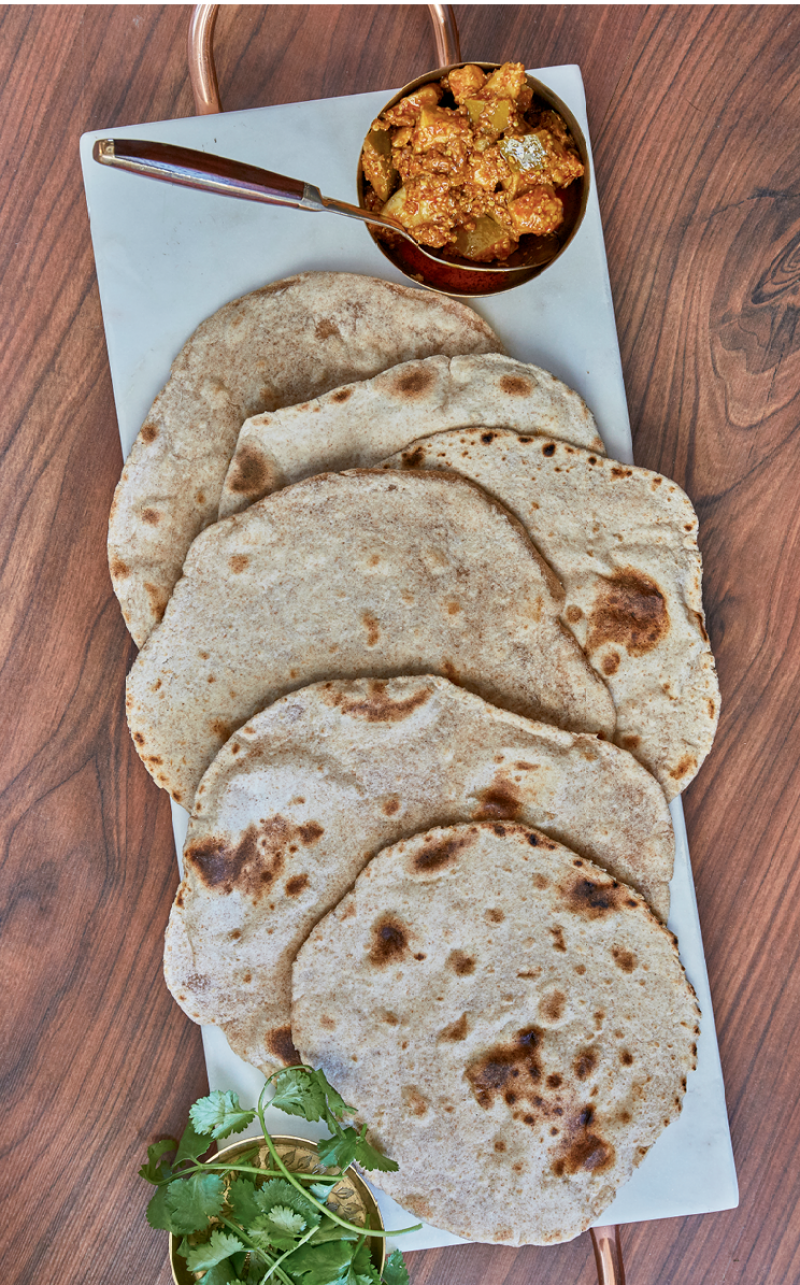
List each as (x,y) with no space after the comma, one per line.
(695,119)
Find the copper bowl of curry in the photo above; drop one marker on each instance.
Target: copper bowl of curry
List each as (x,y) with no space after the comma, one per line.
(486,167)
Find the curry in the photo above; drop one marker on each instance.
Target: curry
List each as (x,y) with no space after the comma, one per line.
(471,163)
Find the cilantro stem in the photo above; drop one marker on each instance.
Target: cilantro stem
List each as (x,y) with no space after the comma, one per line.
(276,1265)
(325,1209)
(251,1246)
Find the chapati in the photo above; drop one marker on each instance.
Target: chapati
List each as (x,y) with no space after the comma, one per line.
(358,425)
(300,798)
(623,541)
(289,341)
(514,1024)
(359,574)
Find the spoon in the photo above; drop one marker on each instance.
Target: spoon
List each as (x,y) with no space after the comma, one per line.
(226,177)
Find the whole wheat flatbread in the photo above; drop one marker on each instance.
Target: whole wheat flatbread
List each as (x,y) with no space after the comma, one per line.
(360,424)
(297,801)
(623,541)
(292,340)
(368,574)
(514,1024)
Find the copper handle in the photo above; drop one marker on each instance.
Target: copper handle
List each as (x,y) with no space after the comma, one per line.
(608,1255)
(203,71)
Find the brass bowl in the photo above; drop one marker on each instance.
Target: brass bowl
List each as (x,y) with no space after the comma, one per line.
(447,272)
(351,1198)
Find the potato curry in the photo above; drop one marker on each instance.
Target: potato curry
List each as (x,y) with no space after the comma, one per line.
(471,163)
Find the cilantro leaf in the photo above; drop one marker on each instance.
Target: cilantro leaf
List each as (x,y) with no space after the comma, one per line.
(290,1223)
(220,1114)
(154,1170)
(336,1104)
(322,1190)
(370,1158)
(280,1228)
(157,1211)
(241,1198)
(219,1246)
(339,1150)
(192,1201)
(395,1272)
(221,1274)
(280,1192)
(329,1230)
(192,1144)
(299,1093)
(320,1264)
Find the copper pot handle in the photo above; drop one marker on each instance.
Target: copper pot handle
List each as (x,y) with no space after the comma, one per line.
(203,71)
(608,1255)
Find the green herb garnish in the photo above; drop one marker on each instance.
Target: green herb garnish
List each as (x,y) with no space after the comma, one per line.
(253,1224)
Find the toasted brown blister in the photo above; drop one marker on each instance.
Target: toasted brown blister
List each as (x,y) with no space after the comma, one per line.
(298,801)
(369,574)
(512,1021)
(623,541)
(280,345)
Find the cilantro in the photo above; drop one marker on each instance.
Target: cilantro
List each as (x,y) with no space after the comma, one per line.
(220,1114)
(219,1246)
(154,1170)
(157,1212)
(339,1150)
(260,1222)
(241,1198)
(192,1201)
(280,1192)
(369,1158)
(395,1272)
(299,1094)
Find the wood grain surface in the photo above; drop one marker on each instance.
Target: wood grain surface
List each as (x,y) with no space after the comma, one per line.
(695,118)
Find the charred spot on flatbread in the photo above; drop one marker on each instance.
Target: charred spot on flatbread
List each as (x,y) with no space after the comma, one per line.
(502,799)
(389,941)
(508,1071)
(251,474)
(629,610)
(594,899)
(256,861)
(585,1148)
(515,386)
(410,385)
(439,853)
(378,706)
(281,1046)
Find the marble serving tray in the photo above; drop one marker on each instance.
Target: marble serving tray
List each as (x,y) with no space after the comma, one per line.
(167,257)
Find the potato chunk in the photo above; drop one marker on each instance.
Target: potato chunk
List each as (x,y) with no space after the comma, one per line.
(539,211)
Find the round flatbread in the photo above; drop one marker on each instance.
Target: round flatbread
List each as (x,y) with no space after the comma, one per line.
(292,340)
(362,574)
(360,424)
(623,541)
(514,1024)
(299,799)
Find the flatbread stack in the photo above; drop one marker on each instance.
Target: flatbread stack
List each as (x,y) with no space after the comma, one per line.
(289,341)
(368,573)
(426,667)
(301,797)
(513,1023)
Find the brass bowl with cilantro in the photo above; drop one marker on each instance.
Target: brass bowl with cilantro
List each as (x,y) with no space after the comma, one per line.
(273,1208)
